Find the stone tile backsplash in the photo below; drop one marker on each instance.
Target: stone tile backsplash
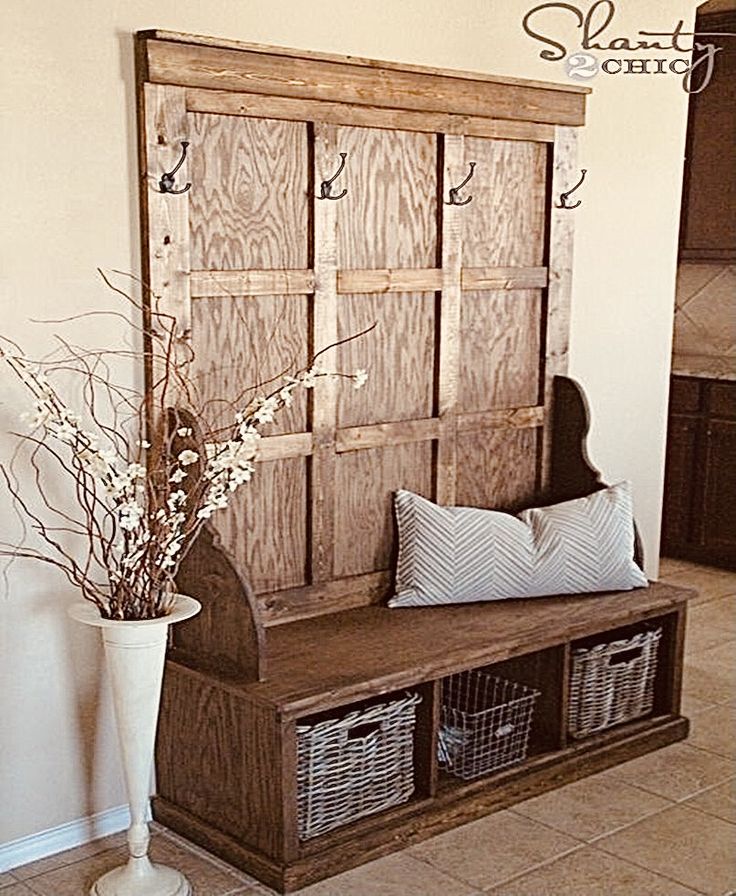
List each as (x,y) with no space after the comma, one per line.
(705,320)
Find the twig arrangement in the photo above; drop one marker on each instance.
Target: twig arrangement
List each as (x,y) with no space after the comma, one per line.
(148,467)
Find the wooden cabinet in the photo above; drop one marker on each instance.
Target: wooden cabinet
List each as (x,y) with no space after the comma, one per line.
(227,757)
(699,514)
(708,225)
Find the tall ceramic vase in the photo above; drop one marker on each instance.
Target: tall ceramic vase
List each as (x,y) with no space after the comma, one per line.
(135,653)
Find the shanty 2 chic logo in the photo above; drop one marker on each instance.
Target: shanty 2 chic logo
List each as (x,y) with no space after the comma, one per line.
(548,22)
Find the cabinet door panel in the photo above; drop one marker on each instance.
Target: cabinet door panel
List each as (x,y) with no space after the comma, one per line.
(719,511)
(679,487)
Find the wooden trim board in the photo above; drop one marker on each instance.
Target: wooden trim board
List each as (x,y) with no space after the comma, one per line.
(227,102)
(201,40)
(274,72)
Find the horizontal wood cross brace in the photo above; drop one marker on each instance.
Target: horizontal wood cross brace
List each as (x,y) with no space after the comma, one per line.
(302,282)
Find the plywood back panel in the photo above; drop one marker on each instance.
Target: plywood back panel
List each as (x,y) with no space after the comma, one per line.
(500,333)
(366,480)
(389,217)
(243,343)
(505,222)
(498,469)
(470,304)
(399,355)
(264,529)
(250,207)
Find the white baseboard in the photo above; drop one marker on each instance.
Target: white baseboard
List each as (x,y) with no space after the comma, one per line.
(65,836)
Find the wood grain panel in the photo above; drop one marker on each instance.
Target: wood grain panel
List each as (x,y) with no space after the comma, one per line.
(508,418)
(500,335)
(275,74)
(503,278)
(388,218)
(249,193)
(226,102)
(497,469)
(328,660)
(504,224)
(250,283)
(323,598)
(253,47)
(324,394)
(164,216)
(264,528)
(561,231)
(243,347)
(380,435)
(399,356)
(365,481)
(208,720)
(387,280)
(448,378)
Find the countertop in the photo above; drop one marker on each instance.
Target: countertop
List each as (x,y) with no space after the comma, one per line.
(712,367)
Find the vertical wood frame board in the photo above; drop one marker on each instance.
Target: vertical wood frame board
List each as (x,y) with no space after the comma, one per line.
(470,300)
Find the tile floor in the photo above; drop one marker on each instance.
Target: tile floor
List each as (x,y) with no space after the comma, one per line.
(661,825)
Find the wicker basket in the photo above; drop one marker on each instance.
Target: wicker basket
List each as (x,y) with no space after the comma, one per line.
(612,683)
(356,765)
(485,723)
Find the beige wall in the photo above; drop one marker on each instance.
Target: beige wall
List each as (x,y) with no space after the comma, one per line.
(69,205)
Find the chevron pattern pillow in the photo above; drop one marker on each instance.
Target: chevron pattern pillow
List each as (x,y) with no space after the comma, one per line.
(450,555)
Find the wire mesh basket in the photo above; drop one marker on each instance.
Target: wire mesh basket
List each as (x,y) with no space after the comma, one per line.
(356,765)
(485,723)
(612,683)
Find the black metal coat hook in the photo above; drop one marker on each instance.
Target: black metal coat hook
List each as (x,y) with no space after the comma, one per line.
(454,200)
(565,196)
(325,188)
(166,184)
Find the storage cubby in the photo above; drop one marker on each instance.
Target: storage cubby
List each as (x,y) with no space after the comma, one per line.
(495,717)
(620,676)
(354,762)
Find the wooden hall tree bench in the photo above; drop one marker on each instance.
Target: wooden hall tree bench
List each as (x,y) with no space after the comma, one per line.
(467,404)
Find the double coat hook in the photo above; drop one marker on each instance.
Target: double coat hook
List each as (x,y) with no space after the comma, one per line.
(168,178)
(565,196)
(325,188)
(454,191)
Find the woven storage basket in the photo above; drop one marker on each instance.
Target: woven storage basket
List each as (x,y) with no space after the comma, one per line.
(485,723)
(612,683)
(356,765)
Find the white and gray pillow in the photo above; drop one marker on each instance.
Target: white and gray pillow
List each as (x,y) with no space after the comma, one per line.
(451,555)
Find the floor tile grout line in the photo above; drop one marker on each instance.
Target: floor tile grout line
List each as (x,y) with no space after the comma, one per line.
(214,860)
(680,799)
(625,827)
(84,858)
(709,751)
(650,870)
(532,868)
(505,880)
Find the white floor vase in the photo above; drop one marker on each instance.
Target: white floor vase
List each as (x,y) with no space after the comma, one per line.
(135,652)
